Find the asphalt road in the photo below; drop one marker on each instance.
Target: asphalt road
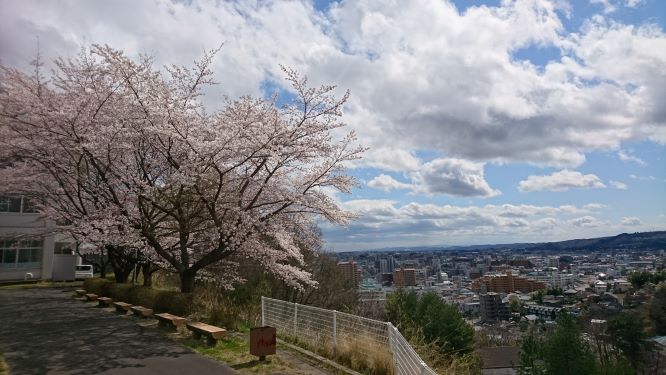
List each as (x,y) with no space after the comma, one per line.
(46,331)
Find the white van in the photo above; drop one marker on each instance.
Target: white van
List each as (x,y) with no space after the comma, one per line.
(84,271)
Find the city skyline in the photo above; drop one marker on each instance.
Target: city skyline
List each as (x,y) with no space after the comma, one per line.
(486,122)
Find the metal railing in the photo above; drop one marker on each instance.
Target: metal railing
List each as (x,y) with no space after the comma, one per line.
(323,328)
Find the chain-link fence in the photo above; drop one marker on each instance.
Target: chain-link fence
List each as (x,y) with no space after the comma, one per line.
(329,329)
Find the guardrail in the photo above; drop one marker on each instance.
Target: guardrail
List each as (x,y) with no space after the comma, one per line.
(329,328)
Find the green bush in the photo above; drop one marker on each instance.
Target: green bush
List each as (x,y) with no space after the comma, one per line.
(97,286)
(160,301)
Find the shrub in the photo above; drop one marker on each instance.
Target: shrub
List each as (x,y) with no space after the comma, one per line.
(97,286)
(173,302)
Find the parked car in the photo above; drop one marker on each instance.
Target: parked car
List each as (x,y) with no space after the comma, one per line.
(83,271)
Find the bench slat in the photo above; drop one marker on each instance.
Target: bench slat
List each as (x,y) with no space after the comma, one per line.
(141,311)
(207,329)
(175,321)
(122,307)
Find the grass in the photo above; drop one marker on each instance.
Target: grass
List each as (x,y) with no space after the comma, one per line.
(352,352)
(234,350)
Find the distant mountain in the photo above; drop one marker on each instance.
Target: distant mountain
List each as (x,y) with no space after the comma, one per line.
(624,241)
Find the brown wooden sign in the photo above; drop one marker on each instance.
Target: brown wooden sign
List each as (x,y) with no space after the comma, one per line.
(262,341)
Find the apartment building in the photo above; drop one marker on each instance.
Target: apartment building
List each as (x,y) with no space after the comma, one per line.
(492,308)
(403,277)
(507,284)
(350,272)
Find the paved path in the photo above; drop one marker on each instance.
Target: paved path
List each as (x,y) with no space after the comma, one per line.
(46,331)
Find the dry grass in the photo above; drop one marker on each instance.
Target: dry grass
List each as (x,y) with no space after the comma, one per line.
(4,369)
(355,353)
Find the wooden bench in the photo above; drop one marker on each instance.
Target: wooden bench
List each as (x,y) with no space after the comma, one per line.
(212,333)
(80,292)
(141,311)
(91,297)
(122,307)
(171,320)
(104,301)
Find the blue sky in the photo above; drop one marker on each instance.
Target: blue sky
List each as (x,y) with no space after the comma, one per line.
(486,121)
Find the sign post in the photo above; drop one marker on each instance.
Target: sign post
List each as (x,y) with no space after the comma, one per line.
(263,341)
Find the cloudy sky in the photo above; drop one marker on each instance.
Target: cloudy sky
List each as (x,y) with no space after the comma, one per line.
(487,121)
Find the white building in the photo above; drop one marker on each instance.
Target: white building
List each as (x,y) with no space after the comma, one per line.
(27,242)
(554,278)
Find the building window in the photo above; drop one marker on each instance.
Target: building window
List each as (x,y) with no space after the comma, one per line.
(16,205)
(64,248)
(20,253)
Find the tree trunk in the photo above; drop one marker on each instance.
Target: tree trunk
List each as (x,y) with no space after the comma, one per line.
(122,261)
(122,275)
(187,281)
(102,271)
(147,270)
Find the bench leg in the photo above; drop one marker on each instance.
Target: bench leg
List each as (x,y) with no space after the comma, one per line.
(211,341)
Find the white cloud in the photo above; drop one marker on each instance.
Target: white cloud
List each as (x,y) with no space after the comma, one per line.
(454,177)
(560,181)
(388,183)
(387,223)
(631,221)
(641,178)
(417,78)
(625,156)
(389,159)
(618,185)
(611,6)
(608,6)
(594,206)
(634,3)
(448,176)
(587,222)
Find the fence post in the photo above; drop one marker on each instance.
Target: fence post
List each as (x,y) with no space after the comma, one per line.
(263,313)
(423,368)
(335,329)
(295,318)
(391,338)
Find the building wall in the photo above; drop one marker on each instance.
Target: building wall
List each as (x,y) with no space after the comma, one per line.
(507,284)
(350,272)
(491,307)
(18,226)
(404,277)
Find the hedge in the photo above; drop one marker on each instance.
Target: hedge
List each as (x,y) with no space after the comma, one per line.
(160,301)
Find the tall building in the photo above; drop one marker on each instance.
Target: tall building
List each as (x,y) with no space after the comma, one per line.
(390,261)
(507,284)
(350,272)
(383,266)
(403,277)
(492,308)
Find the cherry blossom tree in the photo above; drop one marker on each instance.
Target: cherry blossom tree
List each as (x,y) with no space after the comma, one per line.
(130,157)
